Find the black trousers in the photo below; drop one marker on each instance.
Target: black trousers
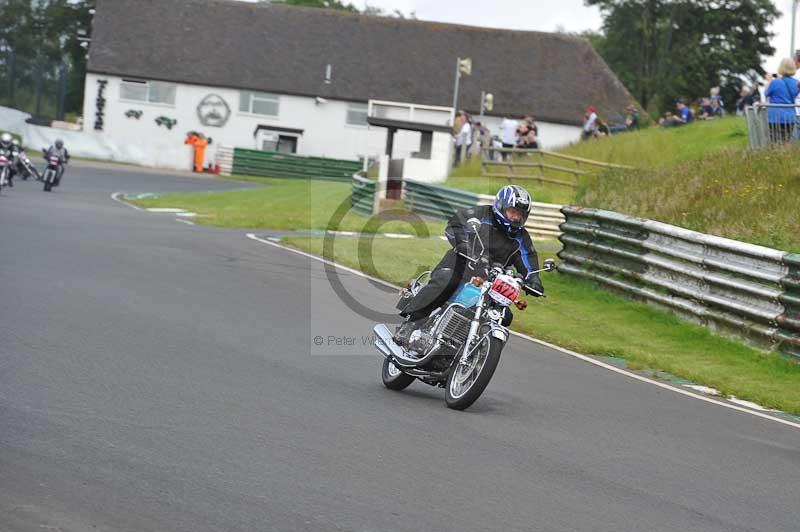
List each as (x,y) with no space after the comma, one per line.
(445,280)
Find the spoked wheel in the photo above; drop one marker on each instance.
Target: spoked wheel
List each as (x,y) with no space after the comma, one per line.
(393,378)
(471,374)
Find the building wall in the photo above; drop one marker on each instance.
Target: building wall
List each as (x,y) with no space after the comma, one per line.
(325,131)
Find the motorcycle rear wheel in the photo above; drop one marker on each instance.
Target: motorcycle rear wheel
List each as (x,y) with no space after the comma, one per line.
(393,378)
(469,378)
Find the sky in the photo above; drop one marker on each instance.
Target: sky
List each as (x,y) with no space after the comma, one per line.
(549,15)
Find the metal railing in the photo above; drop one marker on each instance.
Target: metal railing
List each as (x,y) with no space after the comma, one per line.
(737,288)
(772,124)
(518,164)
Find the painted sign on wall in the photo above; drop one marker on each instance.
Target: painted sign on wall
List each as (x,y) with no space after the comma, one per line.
(100,104)
(213,111)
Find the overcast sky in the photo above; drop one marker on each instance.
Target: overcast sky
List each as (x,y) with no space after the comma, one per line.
(547,15)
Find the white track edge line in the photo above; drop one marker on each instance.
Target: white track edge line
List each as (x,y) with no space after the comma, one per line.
(115,197)
(585,358)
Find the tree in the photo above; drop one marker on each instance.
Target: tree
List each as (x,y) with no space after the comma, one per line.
(40,42)
(663,50)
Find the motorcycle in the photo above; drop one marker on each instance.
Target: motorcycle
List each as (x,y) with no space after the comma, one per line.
(458,346)
(24,166)
(51,176)
(5,170)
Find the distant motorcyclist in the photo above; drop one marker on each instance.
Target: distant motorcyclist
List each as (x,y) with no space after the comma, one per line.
(6,148)
(58,150)
(501,228)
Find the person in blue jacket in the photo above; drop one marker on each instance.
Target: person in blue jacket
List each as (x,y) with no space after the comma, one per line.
(782,89)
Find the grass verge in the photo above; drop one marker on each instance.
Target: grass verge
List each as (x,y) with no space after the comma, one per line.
(285,204)
(581,316)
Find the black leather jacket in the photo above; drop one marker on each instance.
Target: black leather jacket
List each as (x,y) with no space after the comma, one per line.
(500,247)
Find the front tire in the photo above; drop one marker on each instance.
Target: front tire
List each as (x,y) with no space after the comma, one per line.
(469,378)
(393,378)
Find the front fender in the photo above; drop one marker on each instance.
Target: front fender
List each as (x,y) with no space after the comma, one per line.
(499,332)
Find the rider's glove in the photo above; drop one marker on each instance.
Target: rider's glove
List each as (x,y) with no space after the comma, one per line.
(463,248)
(532,282)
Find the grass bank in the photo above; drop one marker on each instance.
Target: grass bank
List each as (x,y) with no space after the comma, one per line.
(739,194)
(580,316)
(284,204)
(656,146)
(647,148)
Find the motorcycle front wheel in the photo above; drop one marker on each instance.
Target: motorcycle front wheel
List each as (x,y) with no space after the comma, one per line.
(470,375)
(393,378)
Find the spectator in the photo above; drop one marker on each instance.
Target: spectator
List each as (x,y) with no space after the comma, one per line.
(668,120)
(602,128)
(755,92)
(706,110)
(459,122)
(464,137)
(481,139)
(796,135)
(716,108)
(782,90)
(632,119)
(589,126)
(526,136)
(745,100)
(714,96)
(508,134)
(684,115)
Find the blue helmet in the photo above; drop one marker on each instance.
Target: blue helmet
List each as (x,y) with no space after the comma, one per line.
(512,196)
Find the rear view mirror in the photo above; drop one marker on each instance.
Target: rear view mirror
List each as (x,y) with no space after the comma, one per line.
(549,265)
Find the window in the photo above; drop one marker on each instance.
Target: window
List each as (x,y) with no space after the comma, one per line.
(357,114)
(259,103)
(147,91)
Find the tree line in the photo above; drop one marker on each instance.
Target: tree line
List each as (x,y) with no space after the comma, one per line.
(665,50)
(42,62)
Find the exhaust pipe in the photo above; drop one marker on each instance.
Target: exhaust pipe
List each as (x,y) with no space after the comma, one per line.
(390,348)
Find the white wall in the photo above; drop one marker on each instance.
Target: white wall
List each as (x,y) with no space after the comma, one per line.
(325,131)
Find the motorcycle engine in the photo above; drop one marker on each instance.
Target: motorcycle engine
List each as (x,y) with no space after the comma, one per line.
(421,340)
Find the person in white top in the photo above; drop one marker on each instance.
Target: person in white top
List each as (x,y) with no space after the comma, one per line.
(589,122)
(508,134)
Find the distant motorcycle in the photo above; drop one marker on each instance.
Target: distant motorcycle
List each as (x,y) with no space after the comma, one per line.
(5,169)
(52,173)
(24,166)
(458,346)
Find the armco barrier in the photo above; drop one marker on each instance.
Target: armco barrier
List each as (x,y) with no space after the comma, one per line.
(273,164)
(363,195)
(442,202)
(739,288)
(435,200)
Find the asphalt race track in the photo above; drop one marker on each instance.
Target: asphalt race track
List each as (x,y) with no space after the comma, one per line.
(156,376)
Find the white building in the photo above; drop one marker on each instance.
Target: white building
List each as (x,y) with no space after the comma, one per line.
(299,80)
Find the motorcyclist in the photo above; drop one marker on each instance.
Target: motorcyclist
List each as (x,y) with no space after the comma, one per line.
(501,228)
(58,149)
(6,146)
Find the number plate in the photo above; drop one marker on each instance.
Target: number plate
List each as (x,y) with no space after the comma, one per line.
(504,290)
